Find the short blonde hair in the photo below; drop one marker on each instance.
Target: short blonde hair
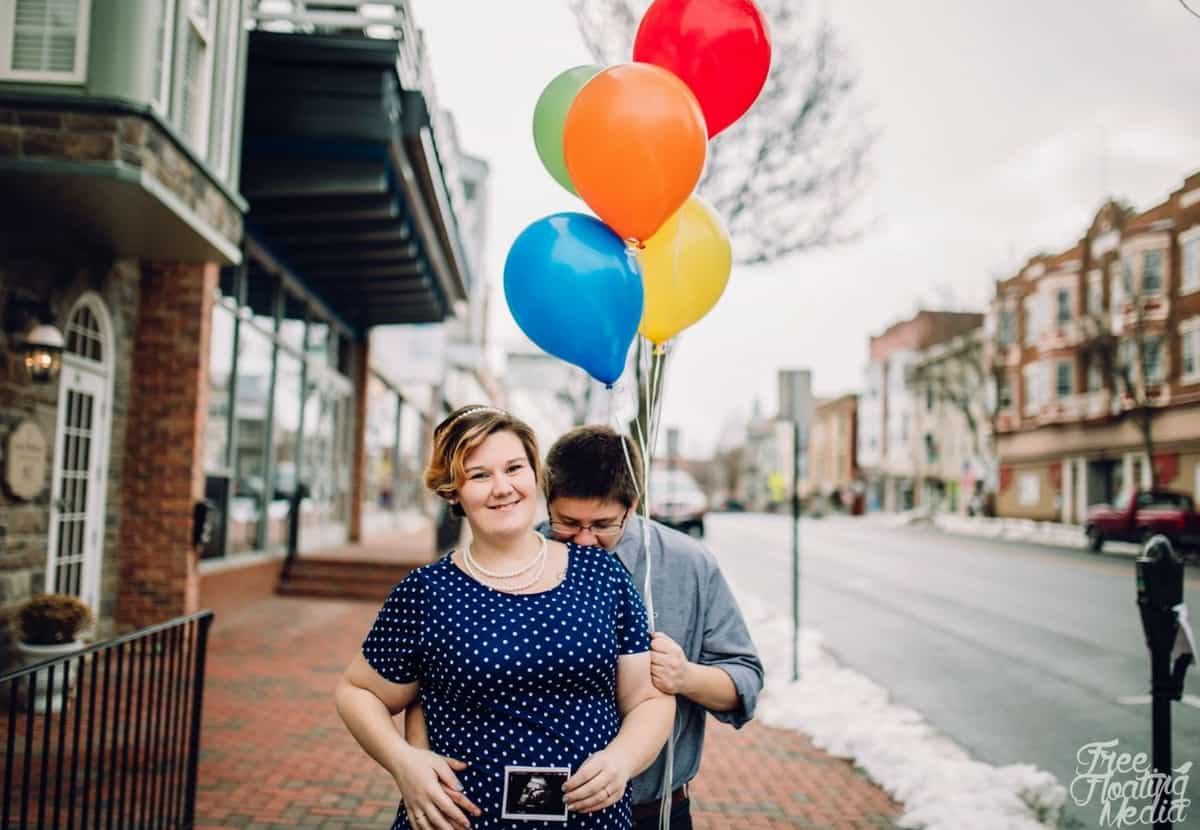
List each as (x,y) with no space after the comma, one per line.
(462,431)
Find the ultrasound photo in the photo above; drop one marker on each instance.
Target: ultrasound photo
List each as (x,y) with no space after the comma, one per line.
(535,793)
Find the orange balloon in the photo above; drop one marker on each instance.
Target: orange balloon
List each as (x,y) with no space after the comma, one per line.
(634,143)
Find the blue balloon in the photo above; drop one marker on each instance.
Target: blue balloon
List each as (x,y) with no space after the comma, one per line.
(576,291)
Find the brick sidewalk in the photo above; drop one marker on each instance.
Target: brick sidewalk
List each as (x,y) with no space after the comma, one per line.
(275,755)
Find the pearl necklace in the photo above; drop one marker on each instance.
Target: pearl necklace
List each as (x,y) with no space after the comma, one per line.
(479,572)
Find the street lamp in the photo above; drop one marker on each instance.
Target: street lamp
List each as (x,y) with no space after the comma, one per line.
(42,351)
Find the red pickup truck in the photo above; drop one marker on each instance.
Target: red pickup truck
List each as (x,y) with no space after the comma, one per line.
(1136,516)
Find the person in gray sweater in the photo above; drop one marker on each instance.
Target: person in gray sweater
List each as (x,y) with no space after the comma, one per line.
(701,650)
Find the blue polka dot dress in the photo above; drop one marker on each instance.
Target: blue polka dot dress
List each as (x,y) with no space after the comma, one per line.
(514,679)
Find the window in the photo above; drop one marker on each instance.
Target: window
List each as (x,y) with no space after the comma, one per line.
(1029,489)
(1152,272)
(1031,320)
(1008,327)
(1095,378)
(1003,393)
(1189,346)
(1127,359)
(1095,295)
(1062,300)
(1062,379)
(197,76)
(164,37)
(1191,265)
(1035,387)
(44,40)
(928,398)
(220,388)
(1115,293)
(1155,366)
(1127,276)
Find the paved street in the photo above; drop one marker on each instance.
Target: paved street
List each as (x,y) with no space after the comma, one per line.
(1019,653)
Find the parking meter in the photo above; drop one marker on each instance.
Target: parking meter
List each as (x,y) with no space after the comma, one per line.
(1169,638)
(1160,598)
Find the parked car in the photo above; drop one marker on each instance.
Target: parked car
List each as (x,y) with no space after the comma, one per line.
(677,501)
(1137,515)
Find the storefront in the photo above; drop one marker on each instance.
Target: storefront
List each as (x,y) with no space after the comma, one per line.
(216,377)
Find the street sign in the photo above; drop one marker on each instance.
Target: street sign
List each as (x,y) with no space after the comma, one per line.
(795,396)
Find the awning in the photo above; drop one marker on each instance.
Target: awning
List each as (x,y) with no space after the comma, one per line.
(345,187)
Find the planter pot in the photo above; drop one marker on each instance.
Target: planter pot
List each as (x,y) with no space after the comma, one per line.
(63,674)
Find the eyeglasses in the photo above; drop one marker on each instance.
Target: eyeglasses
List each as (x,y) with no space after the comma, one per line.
(599,529)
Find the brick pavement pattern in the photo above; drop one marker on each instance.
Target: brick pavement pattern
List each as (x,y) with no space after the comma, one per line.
(275,755)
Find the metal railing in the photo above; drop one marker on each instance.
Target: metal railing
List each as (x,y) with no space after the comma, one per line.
(383,19)
(108,737)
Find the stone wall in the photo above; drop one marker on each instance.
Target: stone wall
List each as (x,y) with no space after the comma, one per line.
(127,140)
(56,285)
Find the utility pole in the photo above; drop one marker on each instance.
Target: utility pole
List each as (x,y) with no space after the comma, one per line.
(796,406)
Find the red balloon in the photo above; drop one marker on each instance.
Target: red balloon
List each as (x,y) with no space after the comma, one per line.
(720,48)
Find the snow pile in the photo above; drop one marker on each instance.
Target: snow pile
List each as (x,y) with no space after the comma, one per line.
(849,716)
(1023,530)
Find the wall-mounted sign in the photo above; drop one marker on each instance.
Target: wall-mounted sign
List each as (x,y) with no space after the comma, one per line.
(25,461)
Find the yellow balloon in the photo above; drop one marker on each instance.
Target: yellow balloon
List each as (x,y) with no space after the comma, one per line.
(685,268)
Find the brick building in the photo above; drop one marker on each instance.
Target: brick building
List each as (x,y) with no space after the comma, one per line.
(216,284)
(1068,435)
(833,450)
(888,447)
(952,423)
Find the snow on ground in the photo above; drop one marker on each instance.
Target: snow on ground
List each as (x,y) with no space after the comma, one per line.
(940,786)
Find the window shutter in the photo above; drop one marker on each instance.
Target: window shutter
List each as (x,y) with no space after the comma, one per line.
(45,36)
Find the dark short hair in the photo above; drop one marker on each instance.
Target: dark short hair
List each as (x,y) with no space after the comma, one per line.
(590,463)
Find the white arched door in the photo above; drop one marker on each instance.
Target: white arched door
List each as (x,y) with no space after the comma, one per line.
(81,450)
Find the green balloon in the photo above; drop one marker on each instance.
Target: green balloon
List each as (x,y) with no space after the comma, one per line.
(550,115)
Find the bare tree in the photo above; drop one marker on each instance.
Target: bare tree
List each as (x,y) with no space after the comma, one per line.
(967,373)
(577,397)
(786,176)
(1125,346)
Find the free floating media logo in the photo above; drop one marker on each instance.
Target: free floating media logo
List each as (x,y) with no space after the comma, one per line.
(1129,791)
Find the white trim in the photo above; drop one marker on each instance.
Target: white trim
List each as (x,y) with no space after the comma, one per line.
(1190,198)
(1094,290)
(161,102)
(78,74)
(95,378)
(1189,328)
(198,133)
(1189,237)
(1104,243)
(1144,240)
(234,12)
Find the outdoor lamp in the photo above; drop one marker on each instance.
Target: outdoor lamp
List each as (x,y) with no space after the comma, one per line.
(42,352)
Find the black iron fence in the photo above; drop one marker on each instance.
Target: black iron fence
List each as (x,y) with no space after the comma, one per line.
(107,738)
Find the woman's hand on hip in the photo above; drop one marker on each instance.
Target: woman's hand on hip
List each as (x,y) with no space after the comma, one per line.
(433,795)
(598,784)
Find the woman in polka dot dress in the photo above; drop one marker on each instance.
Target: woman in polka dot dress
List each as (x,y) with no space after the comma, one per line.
(523,652)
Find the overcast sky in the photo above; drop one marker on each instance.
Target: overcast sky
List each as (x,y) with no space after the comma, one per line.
(1004,125)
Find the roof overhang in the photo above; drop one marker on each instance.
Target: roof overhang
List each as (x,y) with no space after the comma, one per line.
(106,206)
(343,178)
